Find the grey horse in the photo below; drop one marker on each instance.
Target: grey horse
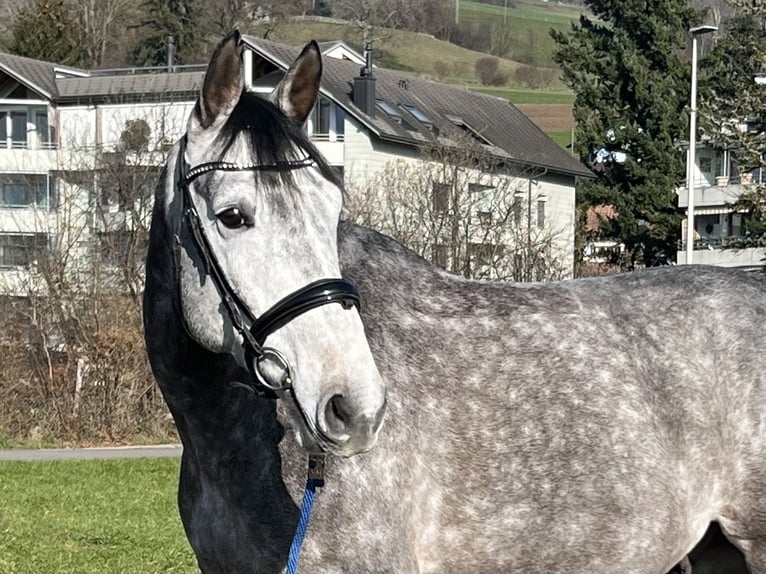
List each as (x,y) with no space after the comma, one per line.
(592,426)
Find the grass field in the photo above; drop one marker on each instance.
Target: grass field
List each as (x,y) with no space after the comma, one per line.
(530,22)
(528,96)
(92,517)
(563,138)
(549,13)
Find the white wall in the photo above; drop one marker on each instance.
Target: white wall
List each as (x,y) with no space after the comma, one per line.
(365,157)
(85,127)
(166,121)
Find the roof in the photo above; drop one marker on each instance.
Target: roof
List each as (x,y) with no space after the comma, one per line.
(63,83)
(169,86)
(38,75)
(512,134)
(348,52)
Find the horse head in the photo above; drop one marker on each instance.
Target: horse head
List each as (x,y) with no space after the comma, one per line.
(255,209)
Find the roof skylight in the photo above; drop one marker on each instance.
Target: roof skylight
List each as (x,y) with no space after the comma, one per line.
(417,114)
(466,128)
(389,110)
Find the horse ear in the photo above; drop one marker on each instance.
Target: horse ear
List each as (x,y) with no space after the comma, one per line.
(223,82)
(297,93)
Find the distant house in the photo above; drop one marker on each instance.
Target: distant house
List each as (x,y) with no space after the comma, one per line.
(720,235)
(599,249)
(365,121)
(59,125)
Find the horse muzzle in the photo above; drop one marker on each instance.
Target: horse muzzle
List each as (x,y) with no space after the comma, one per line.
(348,425)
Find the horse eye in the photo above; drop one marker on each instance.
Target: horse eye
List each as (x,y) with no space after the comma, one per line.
(232,218)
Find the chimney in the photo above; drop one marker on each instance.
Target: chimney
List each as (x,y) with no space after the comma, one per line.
(171,52)
(363,93)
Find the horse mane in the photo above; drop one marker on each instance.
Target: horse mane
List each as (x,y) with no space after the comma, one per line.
(274,138)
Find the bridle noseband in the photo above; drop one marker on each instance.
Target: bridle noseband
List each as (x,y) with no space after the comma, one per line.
(313,295)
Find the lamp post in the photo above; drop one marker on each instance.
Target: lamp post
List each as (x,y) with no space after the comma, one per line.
(690,167)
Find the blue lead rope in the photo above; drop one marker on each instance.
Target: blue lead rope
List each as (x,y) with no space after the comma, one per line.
(315,480)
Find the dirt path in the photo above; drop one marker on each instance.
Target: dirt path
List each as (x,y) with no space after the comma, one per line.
(90,453)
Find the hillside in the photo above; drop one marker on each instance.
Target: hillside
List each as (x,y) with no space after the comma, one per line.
(414,52)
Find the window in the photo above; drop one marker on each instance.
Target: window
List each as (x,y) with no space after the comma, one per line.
(706,164)
(440,199)
(320,117)
(45,133)
(17,126)
(484,254)
(327,121)
(124,187)
(482,198)
(389,110)
(418,115)
(467,129)
(24,190)
(517,209)
(485,218)
(540,213)
(21,250)
(340,122)
(19,129)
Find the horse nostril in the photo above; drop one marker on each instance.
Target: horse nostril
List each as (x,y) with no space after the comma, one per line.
(338,415)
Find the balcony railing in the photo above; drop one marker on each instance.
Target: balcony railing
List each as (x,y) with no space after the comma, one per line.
(726,242)
(22,144)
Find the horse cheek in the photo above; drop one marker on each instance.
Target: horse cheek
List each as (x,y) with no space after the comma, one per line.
(204,319)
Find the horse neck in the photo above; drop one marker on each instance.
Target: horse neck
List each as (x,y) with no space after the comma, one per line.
(211,413)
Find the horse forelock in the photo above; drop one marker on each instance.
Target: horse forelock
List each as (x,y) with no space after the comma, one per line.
(271,138)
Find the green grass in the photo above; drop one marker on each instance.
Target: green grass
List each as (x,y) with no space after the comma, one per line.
(92,517)
(562,138)
(528,96)
(546,12)
(530,23)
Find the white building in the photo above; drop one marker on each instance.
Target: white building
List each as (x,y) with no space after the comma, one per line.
(59,126)
(720,235)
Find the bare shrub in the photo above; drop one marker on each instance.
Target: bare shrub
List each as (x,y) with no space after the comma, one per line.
(488,71)
(500,39)
(75,368)
(460,208)
(441,69)
(471,36)
(534,77)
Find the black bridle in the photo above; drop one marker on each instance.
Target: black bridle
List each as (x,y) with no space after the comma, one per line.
(313,295)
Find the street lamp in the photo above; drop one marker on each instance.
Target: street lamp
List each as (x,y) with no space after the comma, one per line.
(690,168)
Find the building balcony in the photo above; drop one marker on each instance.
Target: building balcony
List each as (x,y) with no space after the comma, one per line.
(28,160)
(706,195)
(727,251)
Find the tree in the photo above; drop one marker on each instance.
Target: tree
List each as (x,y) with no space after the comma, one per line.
(463,210)
(181,18)
(631,91)
(101,22)
(76,358)
(47,30)
(377,17)
(732,92)
(227,15)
